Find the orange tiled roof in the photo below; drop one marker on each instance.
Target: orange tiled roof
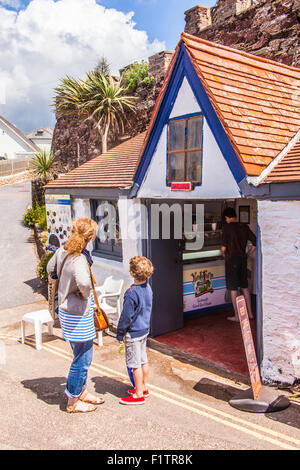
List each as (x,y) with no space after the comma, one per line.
(257,100)
(288,169)
(113,169)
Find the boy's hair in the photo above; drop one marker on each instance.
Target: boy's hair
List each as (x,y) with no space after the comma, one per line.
(230,213)
(140,268)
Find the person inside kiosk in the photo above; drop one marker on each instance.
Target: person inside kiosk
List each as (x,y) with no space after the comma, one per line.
(235,237)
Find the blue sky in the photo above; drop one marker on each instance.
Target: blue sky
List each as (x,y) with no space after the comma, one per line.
(53,38)
(162,19)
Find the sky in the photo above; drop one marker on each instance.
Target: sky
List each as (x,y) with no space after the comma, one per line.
(43,40)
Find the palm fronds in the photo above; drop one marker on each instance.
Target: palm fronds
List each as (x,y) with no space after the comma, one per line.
(103,100)
(44,165)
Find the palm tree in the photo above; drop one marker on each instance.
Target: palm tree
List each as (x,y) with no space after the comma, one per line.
(103,66)
(44,165)
(102,99)
(69,95)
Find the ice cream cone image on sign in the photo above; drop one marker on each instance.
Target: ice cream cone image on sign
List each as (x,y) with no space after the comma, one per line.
(202,283)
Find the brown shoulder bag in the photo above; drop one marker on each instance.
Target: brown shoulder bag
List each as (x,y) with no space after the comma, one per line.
(100,317)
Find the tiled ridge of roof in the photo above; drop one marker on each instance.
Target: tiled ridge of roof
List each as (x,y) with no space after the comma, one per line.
(113,169)
(256,99)
(288,168)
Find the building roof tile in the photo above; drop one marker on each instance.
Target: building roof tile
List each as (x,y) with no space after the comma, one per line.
(288,168)
(256,99)
(113,169)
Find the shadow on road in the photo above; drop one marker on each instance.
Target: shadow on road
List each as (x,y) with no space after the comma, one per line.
(216,389)
(37,286)
(49,389)
(105,385)
(289,416)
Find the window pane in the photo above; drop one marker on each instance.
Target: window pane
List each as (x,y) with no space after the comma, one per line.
(176,167)
(102,215)
(117,238)
(194,166)
(194,133)
(177,135)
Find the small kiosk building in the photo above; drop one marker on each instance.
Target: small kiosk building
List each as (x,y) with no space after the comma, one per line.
(224,132)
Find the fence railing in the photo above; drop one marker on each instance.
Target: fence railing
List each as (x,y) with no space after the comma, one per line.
(11,167)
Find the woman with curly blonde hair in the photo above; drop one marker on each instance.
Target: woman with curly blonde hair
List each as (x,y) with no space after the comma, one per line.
(76,310)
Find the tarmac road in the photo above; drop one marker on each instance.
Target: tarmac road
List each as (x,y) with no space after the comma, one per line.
(18,278)
(188,408)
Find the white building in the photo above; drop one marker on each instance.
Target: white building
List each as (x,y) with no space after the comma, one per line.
(41,137)
(13,143)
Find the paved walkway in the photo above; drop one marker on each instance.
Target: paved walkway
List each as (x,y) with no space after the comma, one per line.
(188,407)
(18,278)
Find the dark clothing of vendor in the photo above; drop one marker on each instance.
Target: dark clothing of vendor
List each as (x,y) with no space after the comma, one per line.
(234,238)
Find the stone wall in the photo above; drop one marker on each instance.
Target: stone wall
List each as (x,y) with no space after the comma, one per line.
(280,245)
(74,141)
(267,28)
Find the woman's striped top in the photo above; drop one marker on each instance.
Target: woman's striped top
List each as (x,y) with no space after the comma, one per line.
(78,328)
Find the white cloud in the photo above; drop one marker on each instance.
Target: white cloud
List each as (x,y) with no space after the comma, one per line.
(49,39)
(11,3)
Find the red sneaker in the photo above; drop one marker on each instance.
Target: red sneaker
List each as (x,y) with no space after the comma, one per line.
(132,392)
(132,401)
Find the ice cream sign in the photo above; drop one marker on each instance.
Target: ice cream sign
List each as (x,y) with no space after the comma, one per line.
(59,221)
(202,283)
(204,286)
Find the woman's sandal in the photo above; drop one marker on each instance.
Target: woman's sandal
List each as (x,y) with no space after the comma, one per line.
(80,407)
(94,401)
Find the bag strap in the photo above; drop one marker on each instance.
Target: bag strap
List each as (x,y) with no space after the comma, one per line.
(100,310)
(93,287)
(61,268)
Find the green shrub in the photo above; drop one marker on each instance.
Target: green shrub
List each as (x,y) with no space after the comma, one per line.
(36,215)
(136,74)
(29,218)
(41,216)
(148,80)
(41,270)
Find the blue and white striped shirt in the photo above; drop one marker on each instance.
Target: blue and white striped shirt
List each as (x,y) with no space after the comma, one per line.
(78,328)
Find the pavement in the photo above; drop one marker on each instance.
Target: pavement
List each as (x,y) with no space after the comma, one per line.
(18,279)
(187,409)
(188,406)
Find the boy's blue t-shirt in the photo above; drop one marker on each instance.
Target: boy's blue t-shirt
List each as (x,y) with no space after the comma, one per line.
(136,313)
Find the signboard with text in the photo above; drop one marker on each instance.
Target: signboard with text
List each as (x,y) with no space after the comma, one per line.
(249,346)
(204,286)
(181,186)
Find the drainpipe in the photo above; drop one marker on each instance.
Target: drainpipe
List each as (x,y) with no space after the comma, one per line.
(259,310)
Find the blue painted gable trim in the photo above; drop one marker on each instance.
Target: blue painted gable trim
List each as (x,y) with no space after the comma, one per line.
(184,68)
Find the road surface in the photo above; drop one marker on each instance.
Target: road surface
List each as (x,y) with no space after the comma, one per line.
(18,278)
(187,409)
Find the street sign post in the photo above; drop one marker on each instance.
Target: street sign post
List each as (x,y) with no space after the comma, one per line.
(249,346)
(259,398)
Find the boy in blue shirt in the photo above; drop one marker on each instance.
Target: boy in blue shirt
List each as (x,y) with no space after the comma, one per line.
(133,327)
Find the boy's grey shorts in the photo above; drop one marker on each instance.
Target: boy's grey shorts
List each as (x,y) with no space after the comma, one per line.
(136,354)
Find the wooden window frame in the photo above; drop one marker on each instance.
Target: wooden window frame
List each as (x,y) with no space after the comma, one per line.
(185,150)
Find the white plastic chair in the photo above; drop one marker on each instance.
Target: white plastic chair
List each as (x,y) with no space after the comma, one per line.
(110,289)
(37,318)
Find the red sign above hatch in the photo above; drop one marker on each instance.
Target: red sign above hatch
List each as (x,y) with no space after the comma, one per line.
(181,186)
